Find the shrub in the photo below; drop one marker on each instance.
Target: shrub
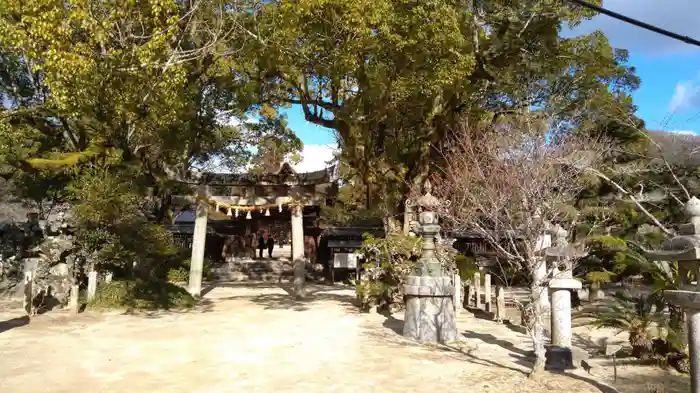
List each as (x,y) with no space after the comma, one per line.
(180,274)
(466,266)
(140,294)
(178,270)
(642,317)
(388,262)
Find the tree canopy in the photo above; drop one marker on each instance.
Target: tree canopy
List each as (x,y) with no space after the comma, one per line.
(393,78)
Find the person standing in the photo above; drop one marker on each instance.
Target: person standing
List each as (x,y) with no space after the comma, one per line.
(261,245)
(270,246)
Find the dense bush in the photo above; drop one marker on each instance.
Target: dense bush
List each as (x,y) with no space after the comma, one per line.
(140,294)
(113,226)
(466,266)
(388,261)
(178,269)
(649,332)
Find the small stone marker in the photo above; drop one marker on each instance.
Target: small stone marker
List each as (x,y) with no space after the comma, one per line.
(458,294)
(611,350)
(108,278)
(74,293)
(487,293)
(500,304)
(92,285)
(28,292)
(477,289)
(470,294)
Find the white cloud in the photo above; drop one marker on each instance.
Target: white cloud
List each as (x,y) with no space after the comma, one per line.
(685,96)
(678,16)
(683,132)
(315,158)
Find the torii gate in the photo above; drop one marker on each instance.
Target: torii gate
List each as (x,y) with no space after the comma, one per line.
(242,195)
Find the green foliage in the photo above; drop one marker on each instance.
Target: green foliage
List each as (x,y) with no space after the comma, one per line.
(276,143)
(111,227)
(180,274)
(466,266)
(178,269)
(388,261)
(368,293)
(641,317)
(392,87)
(141,295)
(600,277)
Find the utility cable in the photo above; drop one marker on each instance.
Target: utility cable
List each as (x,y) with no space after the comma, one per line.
(636,22)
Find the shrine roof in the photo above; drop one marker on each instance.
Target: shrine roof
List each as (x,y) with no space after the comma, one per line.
(286,175)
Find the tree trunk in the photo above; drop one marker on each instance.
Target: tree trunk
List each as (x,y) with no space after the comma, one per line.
(537,327)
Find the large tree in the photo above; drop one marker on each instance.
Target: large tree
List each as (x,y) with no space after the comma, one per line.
(148,82)
(392,77)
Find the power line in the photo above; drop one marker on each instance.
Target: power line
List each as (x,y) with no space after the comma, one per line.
(636,22)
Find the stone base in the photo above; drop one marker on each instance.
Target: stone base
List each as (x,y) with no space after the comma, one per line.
(430,312)
(560,359)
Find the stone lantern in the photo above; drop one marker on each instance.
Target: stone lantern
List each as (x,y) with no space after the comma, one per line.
(685,249)
(561,256)
(429,291)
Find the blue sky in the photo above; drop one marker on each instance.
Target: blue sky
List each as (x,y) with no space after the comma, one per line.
(669,97)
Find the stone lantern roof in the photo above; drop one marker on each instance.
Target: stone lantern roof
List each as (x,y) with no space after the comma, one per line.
(686,246)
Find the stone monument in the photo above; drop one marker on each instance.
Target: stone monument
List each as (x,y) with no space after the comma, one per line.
(429,291)
(560,354)
(685,249)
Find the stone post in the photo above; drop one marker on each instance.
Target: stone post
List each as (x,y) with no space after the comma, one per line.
(470,294)
(28,297)
(92,285)
(407,217)
(685,249)
(108,277)
(560,354)
(199,239)
(430,314)
(477,289)
(74,294)
(458,294)
(487,293)
(298,250)
(500,304)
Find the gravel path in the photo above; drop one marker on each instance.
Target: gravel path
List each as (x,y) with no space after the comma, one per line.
(254,338)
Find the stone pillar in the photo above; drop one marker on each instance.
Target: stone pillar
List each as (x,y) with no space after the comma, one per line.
(477,289)
(559,355)
(74,294)
(199,239)
(28,297)
(541,271)
(500,304)
(407,217)
(298,251)
(470,294)
(685,249)
(92,285)
(693,326)
(108,277)
(690,302)
(487,293)
(458,294)
(429,292)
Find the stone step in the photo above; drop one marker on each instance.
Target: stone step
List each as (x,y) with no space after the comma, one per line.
(254,270)
(243,277)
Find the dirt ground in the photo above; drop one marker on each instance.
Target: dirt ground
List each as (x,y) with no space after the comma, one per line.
(254,338)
